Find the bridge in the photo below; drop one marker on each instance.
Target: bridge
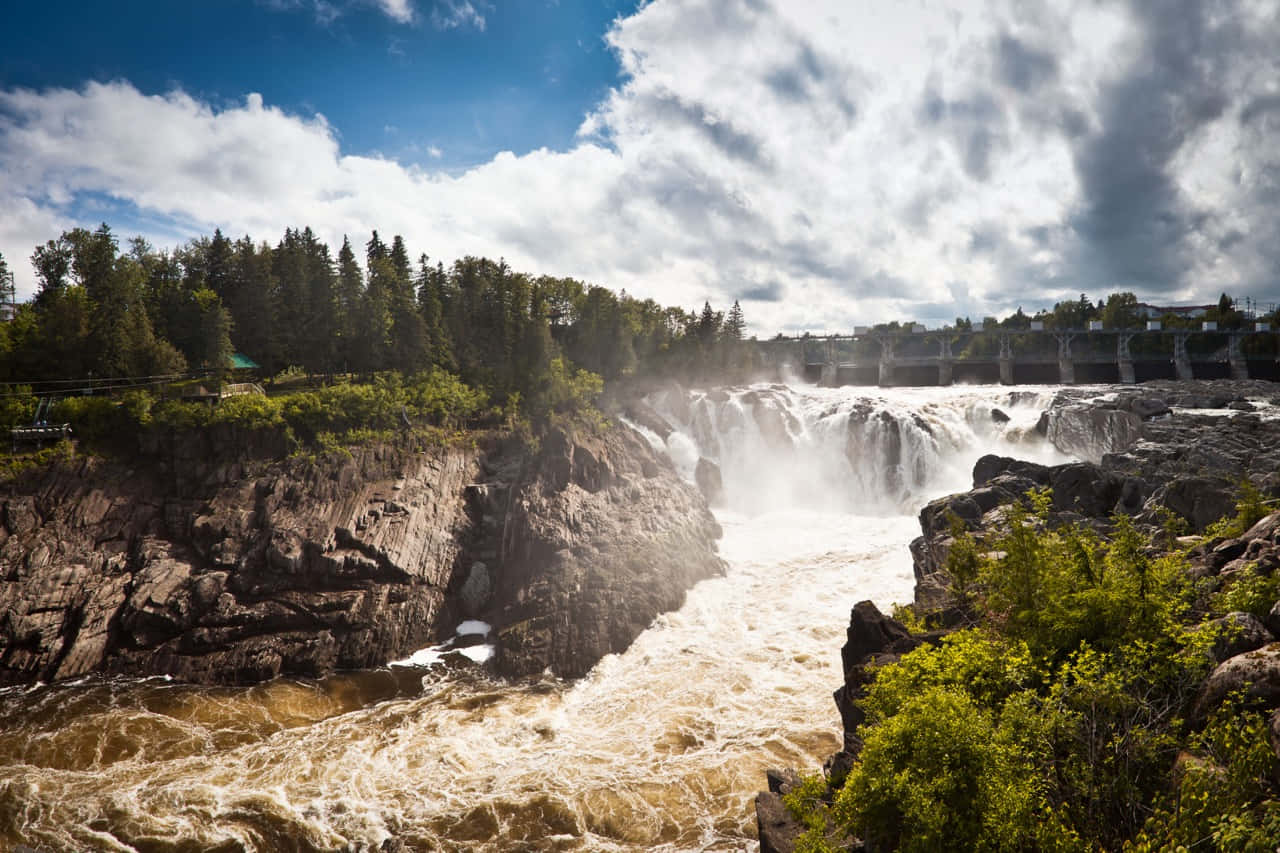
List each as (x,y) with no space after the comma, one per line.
(1030,356)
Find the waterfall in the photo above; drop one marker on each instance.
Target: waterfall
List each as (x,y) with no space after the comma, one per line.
(858,451)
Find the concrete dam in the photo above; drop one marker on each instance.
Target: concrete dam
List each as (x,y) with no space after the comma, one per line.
(1029,357)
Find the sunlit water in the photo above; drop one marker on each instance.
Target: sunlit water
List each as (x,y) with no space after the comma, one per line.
(662,747)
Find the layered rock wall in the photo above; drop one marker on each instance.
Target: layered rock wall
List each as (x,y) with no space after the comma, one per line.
(210,558)
(203,568)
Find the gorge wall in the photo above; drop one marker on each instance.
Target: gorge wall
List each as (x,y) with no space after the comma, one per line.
(213,557)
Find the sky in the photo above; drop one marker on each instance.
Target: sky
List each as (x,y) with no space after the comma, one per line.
(826,163)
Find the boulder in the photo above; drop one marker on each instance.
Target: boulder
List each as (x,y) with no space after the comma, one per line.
(1255,675)
(1237,633)
(990,466)
(1086,489)
(1090,432)
(1199,500)
(640,412)
(775,827)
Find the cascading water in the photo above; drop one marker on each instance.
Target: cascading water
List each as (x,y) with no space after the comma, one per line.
(660,747)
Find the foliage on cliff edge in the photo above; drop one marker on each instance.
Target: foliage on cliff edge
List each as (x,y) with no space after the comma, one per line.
(1060,720)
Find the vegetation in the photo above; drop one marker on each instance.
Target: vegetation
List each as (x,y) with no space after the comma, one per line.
(388,341)
(1059,720)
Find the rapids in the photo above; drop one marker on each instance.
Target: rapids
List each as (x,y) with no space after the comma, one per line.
(662,747)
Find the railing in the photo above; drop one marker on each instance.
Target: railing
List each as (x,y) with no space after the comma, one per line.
(236,389)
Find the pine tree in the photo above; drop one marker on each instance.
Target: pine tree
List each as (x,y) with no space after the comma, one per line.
(350,304)
(734,325)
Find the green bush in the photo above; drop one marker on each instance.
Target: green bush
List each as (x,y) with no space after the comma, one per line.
(96,419)
(17,405)
(1224,793)
(1247,592)
(944,773)
(1054,724)
(1057,589)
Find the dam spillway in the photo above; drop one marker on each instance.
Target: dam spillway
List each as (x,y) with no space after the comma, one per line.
(1026,357)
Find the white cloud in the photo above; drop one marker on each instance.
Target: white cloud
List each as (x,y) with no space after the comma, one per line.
(399,10)
(454,14)
(328,11)
(824,162)
(434,152)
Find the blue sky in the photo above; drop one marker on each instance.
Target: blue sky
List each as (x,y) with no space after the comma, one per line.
(827,163)
(521,80)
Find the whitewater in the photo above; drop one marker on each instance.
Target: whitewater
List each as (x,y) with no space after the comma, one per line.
(661,747)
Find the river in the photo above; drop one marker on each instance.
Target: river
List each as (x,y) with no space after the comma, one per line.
(662,747)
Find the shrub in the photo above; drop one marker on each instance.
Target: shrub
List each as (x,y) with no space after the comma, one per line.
(944,773)
(17,405)
(1052,725)
(1248,592)
(95,419)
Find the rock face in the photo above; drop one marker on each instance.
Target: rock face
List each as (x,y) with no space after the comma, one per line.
(600,537)
(213,560)
(220,575)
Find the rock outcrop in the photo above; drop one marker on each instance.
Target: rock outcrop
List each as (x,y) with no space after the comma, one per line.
(210,558)
(600,537)
(201,567)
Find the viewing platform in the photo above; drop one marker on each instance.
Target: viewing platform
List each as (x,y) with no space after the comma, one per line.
(989,355)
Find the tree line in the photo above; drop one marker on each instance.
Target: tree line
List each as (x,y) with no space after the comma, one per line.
(102,311)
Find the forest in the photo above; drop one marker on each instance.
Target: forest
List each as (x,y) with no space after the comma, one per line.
(142,313)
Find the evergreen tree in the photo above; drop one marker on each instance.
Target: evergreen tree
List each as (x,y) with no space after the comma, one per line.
(734,325)
(218,265)
(350,297)
(409,344)
(708,324)
(430,306)
(254,305)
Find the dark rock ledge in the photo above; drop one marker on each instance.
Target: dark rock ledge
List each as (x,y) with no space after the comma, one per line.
(210,558)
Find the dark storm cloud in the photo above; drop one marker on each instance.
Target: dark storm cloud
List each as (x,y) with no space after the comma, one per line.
(1134,221)
(1024,68)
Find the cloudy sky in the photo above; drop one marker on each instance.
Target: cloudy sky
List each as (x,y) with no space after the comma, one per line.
(826,163)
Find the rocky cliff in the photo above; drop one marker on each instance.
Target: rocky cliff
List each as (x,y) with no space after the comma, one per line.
(600,537)
(209,558)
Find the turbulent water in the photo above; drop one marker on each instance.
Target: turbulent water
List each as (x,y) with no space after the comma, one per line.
(661,747)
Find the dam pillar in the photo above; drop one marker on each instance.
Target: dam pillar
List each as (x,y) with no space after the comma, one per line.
(1006,360)
(886,361)
(1125,360)
(1181,361)
(830,366)
(945,362)
(1066,367)
(1235,357)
